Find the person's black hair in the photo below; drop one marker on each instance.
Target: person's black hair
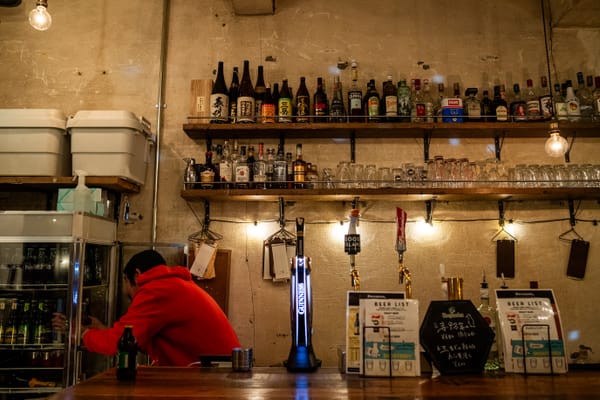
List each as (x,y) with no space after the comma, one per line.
(143,261)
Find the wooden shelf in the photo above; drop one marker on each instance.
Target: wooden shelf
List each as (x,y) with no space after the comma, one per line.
(197,130)
(49,183)
(394,194)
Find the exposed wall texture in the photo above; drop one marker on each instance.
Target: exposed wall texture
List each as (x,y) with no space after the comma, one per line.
(105,55)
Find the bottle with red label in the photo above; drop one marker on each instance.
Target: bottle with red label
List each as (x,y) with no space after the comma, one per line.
(320,103)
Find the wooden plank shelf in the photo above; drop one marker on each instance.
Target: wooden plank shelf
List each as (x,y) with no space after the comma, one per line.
(201,130)
(394,194)
(49,183)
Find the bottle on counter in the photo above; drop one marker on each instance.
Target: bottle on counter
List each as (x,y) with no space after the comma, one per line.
(489,315)
(234,92)
(127,355)
(246,108)
(219,99)
(302,102)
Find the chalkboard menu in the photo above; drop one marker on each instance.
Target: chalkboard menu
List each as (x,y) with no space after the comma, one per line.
(456,337)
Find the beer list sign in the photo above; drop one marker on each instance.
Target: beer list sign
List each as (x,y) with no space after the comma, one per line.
(456,337)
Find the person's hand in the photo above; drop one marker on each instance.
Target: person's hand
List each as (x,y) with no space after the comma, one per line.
(95,323)
(59,322)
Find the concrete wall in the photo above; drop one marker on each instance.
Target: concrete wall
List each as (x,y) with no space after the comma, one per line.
(105,55)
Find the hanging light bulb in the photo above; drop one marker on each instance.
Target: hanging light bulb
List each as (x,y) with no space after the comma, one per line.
(556,145)
(39,17)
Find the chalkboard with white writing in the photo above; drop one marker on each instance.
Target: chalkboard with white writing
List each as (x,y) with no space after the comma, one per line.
(456,337)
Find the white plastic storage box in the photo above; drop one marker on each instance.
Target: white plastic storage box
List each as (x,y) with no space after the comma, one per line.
(110,143)
(34,142)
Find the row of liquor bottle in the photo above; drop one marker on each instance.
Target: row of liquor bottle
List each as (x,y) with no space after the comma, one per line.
(29,321)
(244,102)
(235,166)
(46,264)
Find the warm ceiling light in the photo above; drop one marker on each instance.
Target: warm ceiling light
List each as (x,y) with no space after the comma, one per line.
(39,17)
(556,145)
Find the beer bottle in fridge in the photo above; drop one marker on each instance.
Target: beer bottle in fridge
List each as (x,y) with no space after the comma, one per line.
(127,355)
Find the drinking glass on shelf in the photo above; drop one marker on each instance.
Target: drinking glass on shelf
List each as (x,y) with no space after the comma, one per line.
(370,176)
(398,177)
(358,174)
(410,174)
(344,175)
(327,179)
(384,176)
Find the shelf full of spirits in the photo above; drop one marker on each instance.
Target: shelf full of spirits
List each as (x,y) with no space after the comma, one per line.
(52,262)
(322,130)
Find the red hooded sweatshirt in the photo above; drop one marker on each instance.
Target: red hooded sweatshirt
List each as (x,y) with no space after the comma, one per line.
(174,321)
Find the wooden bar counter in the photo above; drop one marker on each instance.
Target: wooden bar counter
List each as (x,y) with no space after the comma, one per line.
(328,384)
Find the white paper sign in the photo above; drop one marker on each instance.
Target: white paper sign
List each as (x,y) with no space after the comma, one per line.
(531,332)
(390,337)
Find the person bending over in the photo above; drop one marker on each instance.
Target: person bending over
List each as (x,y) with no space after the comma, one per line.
(174,320)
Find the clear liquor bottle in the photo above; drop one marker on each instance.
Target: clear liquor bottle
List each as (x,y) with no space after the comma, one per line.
(532,102)
(302,102)
(219,99)
(246,110)
(225,168)
(270,166)
(250,160)
(438,102)
(260,169)
(338,112)
(280,169)
(242,171)
(545,99)
(390,100)
(428,101)
(489,315)
(355,98)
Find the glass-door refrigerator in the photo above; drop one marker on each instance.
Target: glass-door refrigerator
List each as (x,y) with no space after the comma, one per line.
(52,261)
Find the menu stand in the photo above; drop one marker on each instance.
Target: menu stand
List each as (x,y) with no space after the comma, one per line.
(523,328)
(389,342)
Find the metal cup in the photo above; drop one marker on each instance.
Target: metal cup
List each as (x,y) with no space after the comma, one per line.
(241,359)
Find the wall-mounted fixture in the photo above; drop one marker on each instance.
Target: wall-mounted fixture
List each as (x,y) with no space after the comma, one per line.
(556,145)
(39,17)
